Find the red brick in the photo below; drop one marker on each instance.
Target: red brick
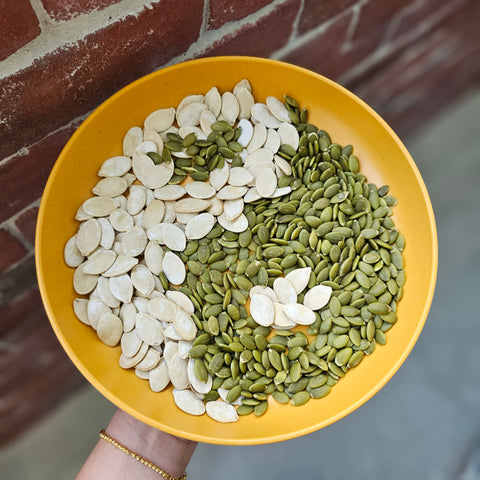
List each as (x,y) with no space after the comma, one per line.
(36,372)
(324,53)
(24,175)
(60,10)
(374,22)
(262,38)
(16,281)
(315,13)
(75,79)
(26,223)
(18,24)
(11,250)
(223,11)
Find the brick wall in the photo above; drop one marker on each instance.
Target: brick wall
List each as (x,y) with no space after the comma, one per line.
(60,59)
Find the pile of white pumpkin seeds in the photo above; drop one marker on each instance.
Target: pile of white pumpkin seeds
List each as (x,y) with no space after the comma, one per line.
(225,224)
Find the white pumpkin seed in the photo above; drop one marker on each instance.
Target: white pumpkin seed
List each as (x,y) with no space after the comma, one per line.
(153,256)
(104,292)
(199,226)
(137,199)
(184,218)
(230,108)
(115,166)
(171,333)
(145,147)
(266,182)
(239,177)
(240,224)
(109,329)
(206,120)
(216,206)
(181,300)
(158,377)
(80,308)
(190,114)
(299,278)
(262,115)
(121,220)
(177,369)
(170,212)
(83,283)
(213,100)
(128,313)
(184,324)
(261,309)
(284,290)
(281,320)
(244,83)
(317,297)
(230,192)
(289,135)
(284,166)
(246,132)
(200,190)
(299,313)
(130,362)
(258,156)
(134,241)
(153,214)
(173,268)
(71,254)
(278,109)
(130,343)
(110,187)
(88,236)
(99,261)
(191,205)
(149,329)
(273,140)
(81,215)
(149,361)
(160,120)
(233,209)
(169,192)
(252,195)
(155,138)
(173,237)
(221,412)
(142,279)
(121,265)
(219,176)
(245,102)
(121,287)
(162,309)
(188,100)
(259,137)
(261,290)
(108,234)
(151,175)
(132,138)
(99,206)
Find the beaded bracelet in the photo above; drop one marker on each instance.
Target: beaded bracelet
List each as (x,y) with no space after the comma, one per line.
(142,460)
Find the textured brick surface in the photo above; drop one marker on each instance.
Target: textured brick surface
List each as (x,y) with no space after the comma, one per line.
(26,223)
(16,280)
(24,175)
(260,39)
(76,79)
(18,25)
(36,372)
(62,10)
(11,250)
(223,11)
(324,53)
(316,12)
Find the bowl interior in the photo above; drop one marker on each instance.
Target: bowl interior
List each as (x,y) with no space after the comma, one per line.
(384,160)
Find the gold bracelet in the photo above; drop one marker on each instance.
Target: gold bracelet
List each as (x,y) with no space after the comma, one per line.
(142,460)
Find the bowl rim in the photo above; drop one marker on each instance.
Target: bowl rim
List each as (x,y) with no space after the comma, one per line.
(270,438)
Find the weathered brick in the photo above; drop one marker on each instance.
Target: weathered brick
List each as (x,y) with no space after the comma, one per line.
(60,10)
(11,251)
(223,11)
(315,13)
(17,280)
(36,372)
(27,222)
(18,24)
(77,78)
(262,38)
(324,53)
(24,175)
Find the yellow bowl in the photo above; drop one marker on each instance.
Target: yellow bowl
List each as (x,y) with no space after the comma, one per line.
(384,160)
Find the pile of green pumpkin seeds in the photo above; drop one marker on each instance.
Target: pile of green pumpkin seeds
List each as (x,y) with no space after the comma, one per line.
(291,234)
